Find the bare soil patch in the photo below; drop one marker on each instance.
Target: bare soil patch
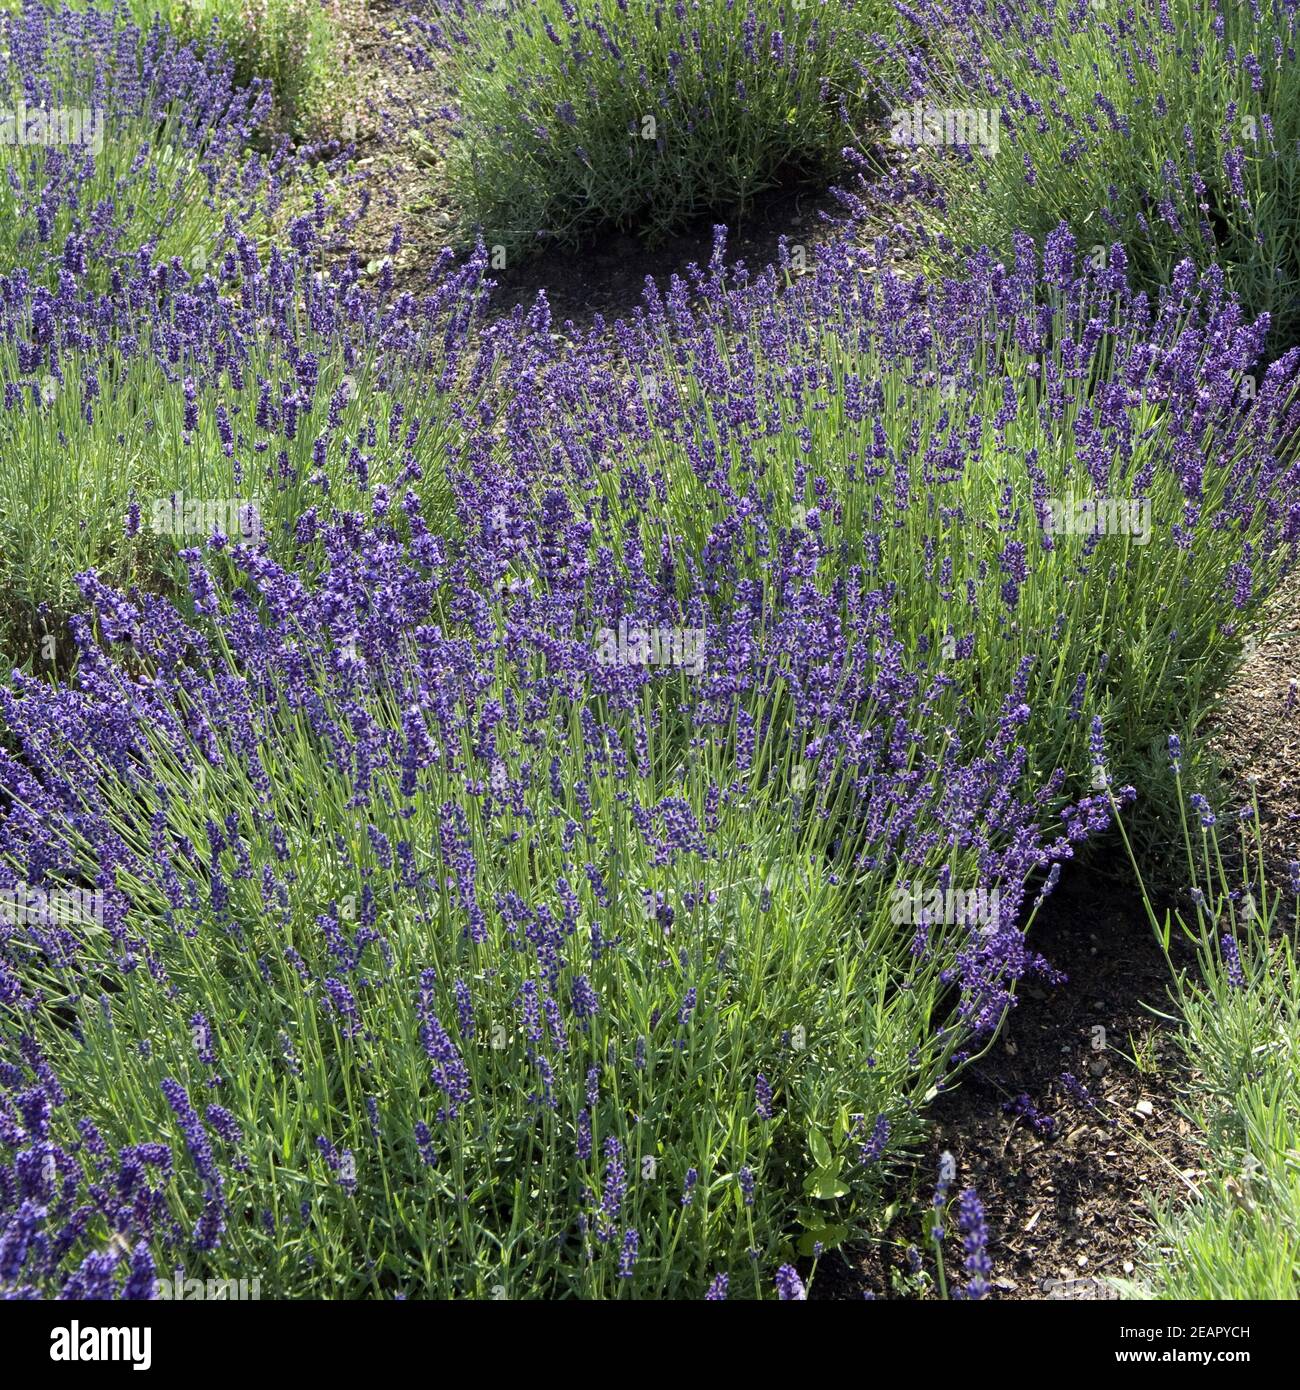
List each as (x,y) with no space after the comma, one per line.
(1066,1182)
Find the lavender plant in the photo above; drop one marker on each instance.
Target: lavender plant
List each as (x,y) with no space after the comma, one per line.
(577,116)
(116,139)
(233,396)
(298,46)
(1064,490)
(428,950)
(1237,1006)
(1172,128)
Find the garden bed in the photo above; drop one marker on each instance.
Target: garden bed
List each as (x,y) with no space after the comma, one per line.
(593,759)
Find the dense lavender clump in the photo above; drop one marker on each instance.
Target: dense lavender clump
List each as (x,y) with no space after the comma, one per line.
(275,393)
(1032,470)
(580,117)
(365,762)
(121,139)
(1172,128)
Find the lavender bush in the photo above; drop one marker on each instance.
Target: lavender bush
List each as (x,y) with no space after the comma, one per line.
(491,963)
(298,46)
(1236,996)
(115,140)
(1061,488)
(1173,128)
(577,116)
(233,396)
